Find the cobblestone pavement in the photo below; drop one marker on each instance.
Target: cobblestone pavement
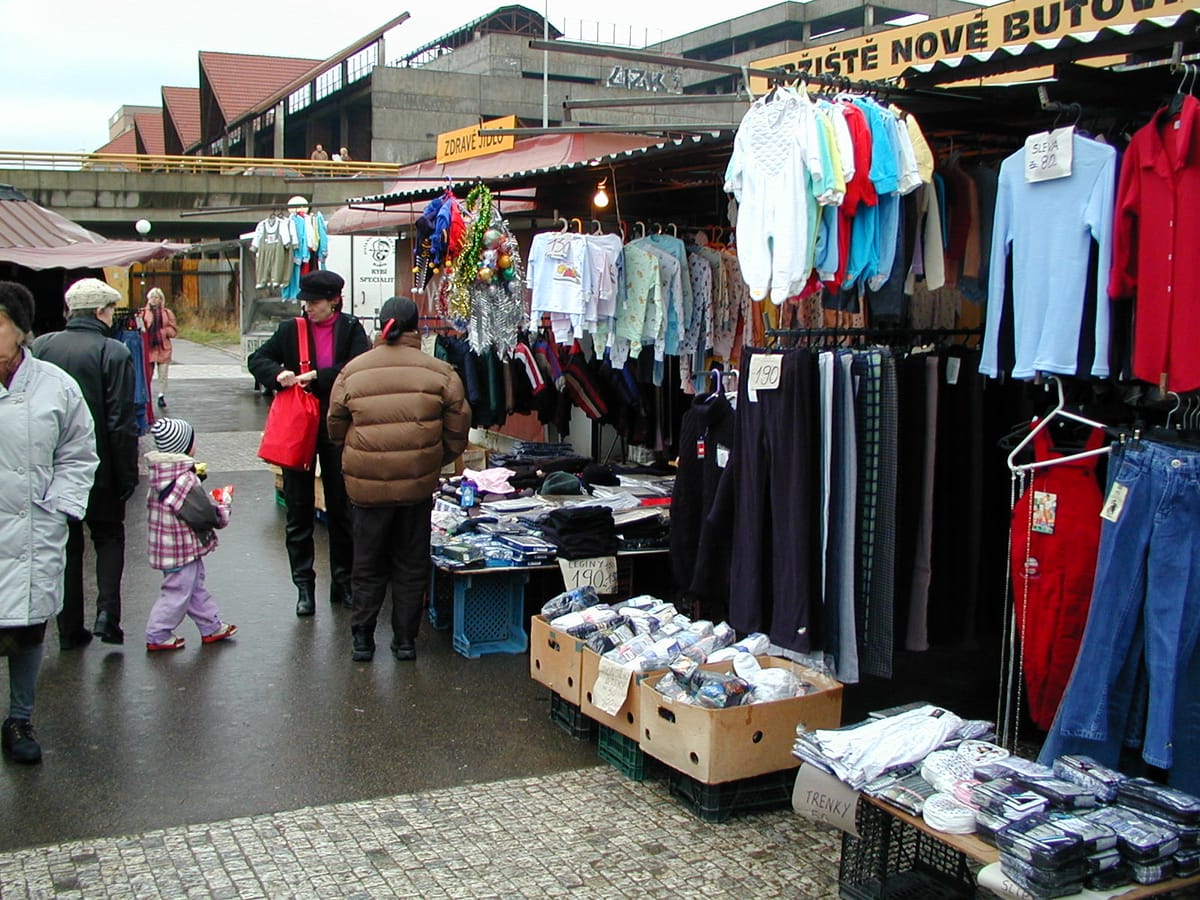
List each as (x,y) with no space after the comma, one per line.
(587,833)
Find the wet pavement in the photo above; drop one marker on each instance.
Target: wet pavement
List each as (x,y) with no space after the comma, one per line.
(272,765)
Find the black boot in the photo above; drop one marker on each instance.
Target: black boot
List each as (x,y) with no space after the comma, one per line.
(107,629)
(341,595)
(364,643)
(306,601)
(403,650)
(18,741)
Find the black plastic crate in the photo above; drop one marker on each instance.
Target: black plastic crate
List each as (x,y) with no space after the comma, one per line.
(625,754)
(891,860)
(567,716)
(717,802)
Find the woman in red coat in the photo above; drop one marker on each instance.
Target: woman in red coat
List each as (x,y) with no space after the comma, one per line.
(159,324)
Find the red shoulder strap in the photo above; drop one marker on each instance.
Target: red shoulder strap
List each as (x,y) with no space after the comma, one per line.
(302,340)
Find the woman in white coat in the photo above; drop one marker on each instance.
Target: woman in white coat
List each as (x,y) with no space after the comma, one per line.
(48,447)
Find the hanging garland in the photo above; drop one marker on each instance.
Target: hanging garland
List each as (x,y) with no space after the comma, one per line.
(466,265)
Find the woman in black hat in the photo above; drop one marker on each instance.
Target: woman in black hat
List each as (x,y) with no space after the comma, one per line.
(334,338)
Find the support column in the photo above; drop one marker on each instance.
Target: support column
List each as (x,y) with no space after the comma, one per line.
(279,153)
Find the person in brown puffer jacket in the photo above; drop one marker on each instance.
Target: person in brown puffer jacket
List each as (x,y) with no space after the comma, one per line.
(401,415)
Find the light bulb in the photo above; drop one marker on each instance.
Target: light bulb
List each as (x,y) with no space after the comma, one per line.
(142,226)
(600,200)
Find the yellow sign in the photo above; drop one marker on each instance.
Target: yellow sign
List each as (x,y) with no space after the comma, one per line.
(887,54)
(467,143)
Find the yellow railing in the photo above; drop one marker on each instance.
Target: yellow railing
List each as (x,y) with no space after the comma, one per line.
(211,165)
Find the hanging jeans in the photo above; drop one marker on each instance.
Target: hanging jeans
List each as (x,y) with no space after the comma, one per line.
(1145,604)
(775,578)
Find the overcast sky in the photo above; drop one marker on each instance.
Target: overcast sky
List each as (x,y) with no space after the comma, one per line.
(66,67)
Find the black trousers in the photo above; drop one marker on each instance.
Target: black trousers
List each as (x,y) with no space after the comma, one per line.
(775,576)
(391,548)
(108,537)
(299,494)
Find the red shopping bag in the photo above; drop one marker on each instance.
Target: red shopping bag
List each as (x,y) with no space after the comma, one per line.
(290,437)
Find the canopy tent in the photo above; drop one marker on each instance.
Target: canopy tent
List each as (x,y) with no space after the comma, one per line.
(539,154)
(38,238)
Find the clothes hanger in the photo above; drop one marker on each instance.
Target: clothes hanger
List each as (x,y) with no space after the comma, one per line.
(1059,412)
(565,226)
(639,230)
(1175,107)
(578,225)
(597,227)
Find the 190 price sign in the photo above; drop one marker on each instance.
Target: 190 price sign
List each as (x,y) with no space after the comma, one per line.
(599,572)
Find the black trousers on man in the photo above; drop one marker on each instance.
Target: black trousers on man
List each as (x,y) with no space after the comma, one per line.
(108,537)
(299,493)
(391,548)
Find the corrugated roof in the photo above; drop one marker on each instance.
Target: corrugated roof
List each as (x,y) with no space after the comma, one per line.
(239,81)
(125,142)
(182,106)
(39,238)
(25,224)
(533,156)
(150,132)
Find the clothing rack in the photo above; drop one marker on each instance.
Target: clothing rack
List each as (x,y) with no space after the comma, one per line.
(875,332)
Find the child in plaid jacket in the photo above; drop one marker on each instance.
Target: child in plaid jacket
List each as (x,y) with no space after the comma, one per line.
(181,528)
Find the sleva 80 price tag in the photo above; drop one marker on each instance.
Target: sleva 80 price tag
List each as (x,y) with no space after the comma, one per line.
(1048,154)
(766,369)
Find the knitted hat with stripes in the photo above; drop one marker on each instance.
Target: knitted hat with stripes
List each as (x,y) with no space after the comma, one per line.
(172,435)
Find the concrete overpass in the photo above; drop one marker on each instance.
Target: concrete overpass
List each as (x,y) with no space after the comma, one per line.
(184,198)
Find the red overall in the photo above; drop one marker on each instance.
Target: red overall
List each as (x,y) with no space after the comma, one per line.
(1054,565)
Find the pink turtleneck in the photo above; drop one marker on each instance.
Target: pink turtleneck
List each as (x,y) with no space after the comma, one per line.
(323,340)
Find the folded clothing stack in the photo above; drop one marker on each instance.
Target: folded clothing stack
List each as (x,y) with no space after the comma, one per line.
(581,532)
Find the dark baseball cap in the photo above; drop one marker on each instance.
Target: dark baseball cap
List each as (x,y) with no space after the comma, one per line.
(321,285)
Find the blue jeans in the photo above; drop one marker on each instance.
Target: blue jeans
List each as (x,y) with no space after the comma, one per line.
(1145,607)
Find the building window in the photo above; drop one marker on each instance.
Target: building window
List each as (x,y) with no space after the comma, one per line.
(299,98)
(329,82)
(361,63)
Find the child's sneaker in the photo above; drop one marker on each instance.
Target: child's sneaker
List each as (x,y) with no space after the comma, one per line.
(222,633)
(174,642)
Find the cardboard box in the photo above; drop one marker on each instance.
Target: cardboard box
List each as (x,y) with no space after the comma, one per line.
(627,721)
(474,457)
(719,745)
(556,659)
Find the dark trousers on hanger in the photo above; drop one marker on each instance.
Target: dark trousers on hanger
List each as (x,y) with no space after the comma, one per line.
(775,575)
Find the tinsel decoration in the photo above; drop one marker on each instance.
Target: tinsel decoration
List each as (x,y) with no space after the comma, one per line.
(478,211)
(498,294)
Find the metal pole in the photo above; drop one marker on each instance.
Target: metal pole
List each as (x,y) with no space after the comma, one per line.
(546,65)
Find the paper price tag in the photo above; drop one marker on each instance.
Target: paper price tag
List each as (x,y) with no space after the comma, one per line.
(1115,502)
(600,573)
(1048,154)
(766,370)
(611,687)
(819,796)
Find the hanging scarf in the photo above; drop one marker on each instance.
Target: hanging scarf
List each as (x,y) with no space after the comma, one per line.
(155,328)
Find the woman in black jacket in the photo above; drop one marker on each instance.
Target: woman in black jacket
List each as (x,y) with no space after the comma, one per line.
(335,338)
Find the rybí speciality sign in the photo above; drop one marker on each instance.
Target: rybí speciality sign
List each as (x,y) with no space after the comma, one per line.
(887,54)
(466,143)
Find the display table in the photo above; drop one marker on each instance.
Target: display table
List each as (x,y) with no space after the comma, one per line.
(898,855)
(486,607)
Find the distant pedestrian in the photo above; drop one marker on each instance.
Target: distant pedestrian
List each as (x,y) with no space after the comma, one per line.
(159,324)
(103,368)
(49,452)
(181,525)
(319,154)
(402,416)
(345,155)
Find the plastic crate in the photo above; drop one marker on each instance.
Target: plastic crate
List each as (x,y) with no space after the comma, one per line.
(718,802)
(625,754)
(567,716)
(891,859)
(441,599)
(489,613)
